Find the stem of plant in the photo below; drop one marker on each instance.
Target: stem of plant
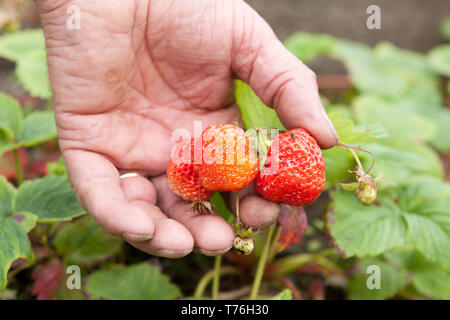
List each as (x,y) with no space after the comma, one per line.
(216,278)
(19,177)
(275,245)
(206,279)
(218,259)
(261,263)
(238,221)
(352,148)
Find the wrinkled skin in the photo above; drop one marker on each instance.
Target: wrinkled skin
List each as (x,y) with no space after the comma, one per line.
(137,70)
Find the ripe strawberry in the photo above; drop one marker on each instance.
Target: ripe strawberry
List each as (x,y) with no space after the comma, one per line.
(182,177)
(300,176)
(228,161)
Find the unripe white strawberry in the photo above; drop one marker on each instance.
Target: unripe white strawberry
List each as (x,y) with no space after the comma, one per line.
(243,245)
(367,192)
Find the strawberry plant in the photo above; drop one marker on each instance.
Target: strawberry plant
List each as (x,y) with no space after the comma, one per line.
(381,197)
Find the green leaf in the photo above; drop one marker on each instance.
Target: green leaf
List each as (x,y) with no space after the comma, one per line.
(445,28)
(84,242)
(388,71)
(391,281)
(32,73)
(439,59)
(220,207)
(27,49)
(137,282)
(396,164)
(365,230)
(7,193)
(57,168)
(254,112)
(14,242)
(397,120)
(10,118)
(338,162)
(441,118)
(286,294)
(410,62)
(436,113)
(14,46)
(50,198)
(347,132)
(425,205)
(344,111)
(26,219)
(38,127)
(367,74)
(432,281)
(428,278)
(307,46)
(419,217)
(429,238)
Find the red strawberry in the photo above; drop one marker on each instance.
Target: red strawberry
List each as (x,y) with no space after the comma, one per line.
(228,161)
(182,177)
(300,175)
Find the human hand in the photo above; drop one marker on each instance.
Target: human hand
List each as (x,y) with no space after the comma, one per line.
(139,69)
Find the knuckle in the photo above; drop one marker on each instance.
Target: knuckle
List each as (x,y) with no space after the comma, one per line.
(311,75)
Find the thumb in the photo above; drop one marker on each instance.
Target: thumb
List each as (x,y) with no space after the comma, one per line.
(281,80)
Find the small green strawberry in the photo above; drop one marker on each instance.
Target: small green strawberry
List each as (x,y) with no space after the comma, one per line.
(365,186)
(367,191)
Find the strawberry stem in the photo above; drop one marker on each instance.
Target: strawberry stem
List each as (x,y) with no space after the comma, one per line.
(356,158)
(19,176)
(261,263)
(206,279)
(216,277)
(275,244)
(352,148)
(238,220)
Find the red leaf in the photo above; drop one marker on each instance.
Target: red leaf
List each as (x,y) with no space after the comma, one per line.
(39,165)
(293,223)
(316,290)
(48,278)
(40,252)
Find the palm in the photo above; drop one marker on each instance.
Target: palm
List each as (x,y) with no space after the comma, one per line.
(163,77)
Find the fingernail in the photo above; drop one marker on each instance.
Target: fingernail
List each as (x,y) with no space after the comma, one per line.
(330,124)
(137,237)
(172,253)
(214,252)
